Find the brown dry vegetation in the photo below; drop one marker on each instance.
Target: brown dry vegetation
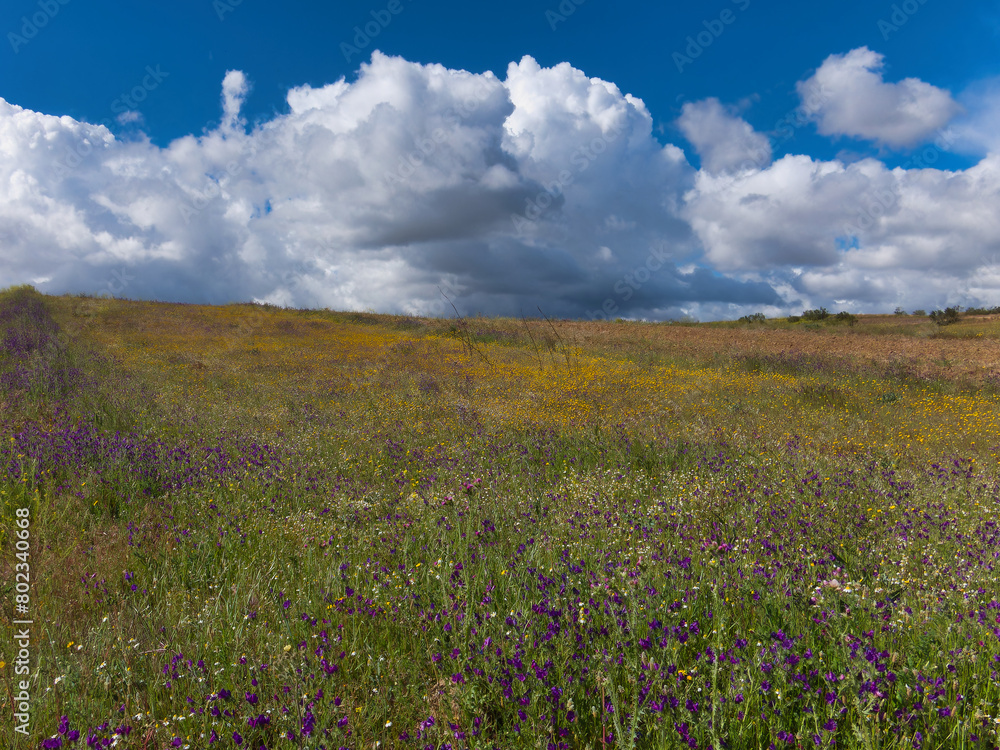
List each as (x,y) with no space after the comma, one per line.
(969,351)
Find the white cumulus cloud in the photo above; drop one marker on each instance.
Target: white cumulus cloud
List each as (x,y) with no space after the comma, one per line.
(543,189)
(847,95)
(235,88)
(723,141)
(976,131)
(539,190)
(860,233)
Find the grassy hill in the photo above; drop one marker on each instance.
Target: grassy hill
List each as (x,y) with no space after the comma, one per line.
(246,526)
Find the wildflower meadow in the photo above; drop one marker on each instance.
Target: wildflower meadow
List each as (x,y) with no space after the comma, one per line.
(251,527)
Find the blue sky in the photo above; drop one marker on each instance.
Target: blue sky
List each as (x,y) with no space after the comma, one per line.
(91,53)
(152,74)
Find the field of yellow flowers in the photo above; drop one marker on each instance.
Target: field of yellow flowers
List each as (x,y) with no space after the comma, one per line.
(244,526)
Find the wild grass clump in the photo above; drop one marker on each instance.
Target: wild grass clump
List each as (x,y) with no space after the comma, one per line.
(347,532)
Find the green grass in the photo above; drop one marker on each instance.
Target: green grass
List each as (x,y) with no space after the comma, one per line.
(626,563)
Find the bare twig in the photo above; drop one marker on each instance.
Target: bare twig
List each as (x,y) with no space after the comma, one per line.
(562,343)
(538,354)
(466,336)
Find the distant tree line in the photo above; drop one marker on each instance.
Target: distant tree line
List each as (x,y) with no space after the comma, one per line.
(950,314)
(942,317)
(983,311)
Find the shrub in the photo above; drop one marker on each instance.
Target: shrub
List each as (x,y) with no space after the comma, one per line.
(919,313)
(820,314)
(845,317)
(945,317)
(899,311)
(794,318)
(756,317)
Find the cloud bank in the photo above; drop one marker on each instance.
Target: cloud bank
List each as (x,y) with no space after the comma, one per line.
(545,189)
